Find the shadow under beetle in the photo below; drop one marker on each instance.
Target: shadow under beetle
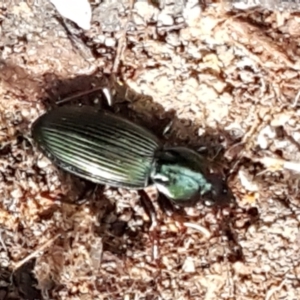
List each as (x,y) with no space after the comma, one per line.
(105,148)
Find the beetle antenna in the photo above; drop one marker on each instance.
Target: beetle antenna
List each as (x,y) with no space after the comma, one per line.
(104,90)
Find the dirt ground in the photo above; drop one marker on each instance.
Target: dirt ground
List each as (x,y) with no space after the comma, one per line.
(230,81)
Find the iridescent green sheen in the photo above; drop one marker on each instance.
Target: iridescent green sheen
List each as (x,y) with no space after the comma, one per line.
(97,145)
(180,174)
(108,149)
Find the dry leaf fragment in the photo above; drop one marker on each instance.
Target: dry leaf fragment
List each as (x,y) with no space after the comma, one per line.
(247,181)
(279,164)
(78,11)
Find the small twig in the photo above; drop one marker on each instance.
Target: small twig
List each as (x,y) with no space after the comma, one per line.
(229,278)
(164,29)
(2,242)
(244,29)
(199,228)
(35,253)
(273,290)
(246,141)
(122,41)
(277,164)
(296,100)
(249,135)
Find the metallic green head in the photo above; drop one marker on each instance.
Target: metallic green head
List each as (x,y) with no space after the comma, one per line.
(185,178)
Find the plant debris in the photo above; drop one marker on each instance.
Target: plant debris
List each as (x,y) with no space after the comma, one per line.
(229,80)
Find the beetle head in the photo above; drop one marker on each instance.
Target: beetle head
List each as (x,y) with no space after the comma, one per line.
(185,177)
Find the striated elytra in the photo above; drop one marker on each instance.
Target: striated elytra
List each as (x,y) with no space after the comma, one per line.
(108,149)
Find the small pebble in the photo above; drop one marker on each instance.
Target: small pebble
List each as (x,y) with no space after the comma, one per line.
(164,19)
(110,42)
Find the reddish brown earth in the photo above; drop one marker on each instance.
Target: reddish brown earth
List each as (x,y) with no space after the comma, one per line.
(229,79)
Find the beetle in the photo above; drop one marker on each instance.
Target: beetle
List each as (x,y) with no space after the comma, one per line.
(105,148)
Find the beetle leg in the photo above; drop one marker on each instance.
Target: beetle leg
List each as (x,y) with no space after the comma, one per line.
(148,206)
(165,205)
(82,198)
(153,232)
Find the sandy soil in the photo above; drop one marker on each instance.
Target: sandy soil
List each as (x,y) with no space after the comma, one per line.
(230,81)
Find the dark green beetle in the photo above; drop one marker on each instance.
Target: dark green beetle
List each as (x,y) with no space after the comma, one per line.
(107,149)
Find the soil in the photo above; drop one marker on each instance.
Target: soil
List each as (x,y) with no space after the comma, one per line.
(228,79)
